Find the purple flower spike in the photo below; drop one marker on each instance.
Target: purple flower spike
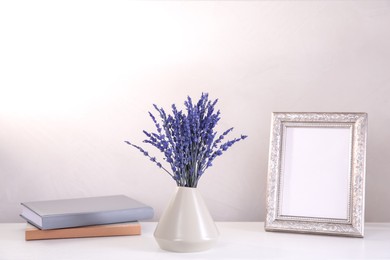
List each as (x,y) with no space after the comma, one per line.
(188,140)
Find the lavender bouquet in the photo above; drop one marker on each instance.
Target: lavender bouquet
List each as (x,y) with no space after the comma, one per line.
(188,140)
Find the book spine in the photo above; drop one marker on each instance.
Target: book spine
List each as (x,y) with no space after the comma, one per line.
(92,231)
(97,218)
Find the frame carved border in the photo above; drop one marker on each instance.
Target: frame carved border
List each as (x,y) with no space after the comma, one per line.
(354,226)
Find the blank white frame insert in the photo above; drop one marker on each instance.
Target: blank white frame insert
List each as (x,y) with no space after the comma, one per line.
(316,171)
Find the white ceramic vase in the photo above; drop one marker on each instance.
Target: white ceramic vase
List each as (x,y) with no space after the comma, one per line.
(186,225)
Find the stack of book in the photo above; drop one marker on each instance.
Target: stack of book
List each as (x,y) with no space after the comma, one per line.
(116,215)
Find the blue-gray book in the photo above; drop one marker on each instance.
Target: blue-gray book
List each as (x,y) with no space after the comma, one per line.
(53,214)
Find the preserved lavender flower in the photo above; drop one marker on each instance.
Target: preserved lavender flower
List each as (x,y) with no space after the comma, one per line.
(188,140)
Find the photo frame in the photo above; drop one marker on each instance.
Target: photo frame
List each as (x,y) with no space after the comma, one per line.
(316,173)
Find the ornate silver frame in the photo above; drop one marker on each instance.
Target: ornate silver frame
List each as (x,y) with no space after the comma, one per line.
(353,224)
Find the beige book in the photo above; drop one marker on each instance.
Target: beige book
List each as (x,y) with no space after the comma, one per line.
(119,229)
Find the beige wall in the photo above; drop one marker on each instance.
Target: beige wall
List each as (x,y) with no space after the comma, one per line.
(78,77)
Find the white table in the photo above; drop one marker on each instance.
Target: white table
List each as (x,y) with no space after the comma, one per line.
(238,240)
